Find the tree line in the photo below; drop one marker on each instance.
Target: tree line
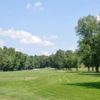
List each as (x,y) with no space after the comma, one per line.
(11,60)
(87,53)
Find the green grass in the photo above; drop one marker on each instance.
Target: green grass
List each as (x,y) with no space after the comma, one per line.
(49,85)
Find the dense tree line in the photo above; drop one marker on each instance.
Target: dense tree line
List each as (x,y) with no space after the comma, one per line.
(11,60)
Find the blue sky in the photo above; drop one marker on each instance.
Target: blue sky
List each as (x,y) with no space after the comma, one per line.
(42,26)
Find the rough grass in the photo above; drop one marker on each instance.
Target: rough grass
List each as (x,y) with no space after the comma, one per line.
(49,85)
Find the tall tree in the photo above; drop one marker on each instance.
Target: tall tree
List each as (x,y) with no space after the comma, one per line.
(88,30)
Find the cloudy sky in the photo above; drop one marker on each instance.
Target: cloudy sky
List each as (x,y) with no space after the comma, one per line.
(42,26)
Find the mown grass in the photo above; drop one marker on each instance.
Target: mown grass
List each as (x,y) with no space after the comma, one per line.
(49,85)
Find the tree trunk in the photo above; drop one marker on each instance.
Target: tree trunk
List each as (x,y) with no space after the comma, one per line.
(77,68)
(97,69)
(88,69)
(92,68)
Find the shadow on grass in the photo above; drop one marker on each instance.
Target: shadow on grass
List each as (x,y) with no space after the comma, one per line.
(71,72)
(90,73)
(95,85)
(84,73)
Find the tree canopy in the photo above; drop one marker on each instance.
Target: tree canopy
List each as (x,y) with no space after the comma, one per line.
(88,29)
(11,60)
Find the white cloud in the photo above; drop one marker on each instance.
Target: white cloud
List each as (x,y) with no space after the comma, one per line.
(2,43)
(48,43)
(17,49)
(98,17)
(37,6)
(28,6)
(25,37)
(45,53)
(72,48)
(51,37)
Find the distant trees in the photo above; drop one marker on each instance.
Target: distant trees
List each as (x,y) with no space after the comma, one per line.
(59,59)
(11,60)
(88,29)
(71,60)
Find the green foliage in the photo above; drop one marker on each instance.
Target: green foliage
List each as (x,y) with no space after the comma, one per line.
(88,29)
(11,60)
(59,59)
(86,26)
(71,59)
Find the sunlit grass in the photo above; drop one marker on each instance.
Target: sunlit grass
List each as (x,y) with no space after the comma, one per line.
(47,84)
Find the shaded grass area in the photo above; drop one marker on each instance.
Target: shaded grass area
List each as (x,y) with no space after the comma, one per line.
(88,85)
(90,73)
(47,84)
